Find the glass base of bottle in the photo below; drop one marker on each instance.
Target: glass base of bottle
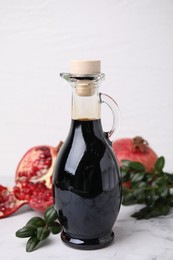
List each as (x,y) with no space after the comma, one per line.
(87,244)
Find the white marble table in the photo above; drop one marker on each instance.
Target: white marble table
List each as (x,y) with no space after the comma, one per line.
(134,240)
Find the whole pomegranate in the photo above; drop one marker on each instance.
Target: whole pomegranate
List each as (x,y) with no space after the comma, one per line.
(135,149)
(33,181)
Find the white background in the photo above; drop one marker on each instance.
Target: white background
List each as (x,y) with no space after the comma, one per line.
(38,38)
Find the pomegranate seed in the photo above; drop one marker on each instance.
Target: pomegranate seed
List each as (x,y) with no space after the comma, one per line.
(22,196)
(20,174)
(27,197)
(24,184)
(34,193)
(2,208)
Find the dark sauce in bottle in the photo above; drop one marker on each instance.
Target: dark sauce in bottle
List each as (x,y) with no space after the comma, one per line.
(86,185)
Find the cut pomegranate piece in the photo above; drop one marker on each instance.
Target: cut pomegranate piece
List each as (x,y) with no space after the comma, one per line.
(37,165)
(8,202)
(33,181)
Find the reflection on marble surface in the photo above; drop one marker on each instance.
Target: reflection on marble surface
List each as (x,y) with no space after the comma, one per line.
(134,240)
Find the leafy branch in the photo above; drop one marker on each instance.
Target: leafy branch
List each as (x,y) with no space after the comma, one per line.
(38,229)
(150,188)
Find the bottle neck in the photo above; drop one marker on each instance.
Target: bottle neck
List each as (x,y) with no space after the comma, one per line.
(85,96)
(85,103)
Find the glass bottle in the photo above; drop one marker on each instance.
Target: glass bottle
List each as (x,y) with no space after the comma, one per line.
(86,178)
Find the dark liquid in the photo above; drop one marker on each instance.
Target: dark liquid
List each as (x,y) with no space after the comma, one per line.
(87,188)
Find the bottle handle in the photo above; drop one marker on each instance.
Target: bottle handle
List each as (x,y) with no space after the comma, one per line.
(104,98)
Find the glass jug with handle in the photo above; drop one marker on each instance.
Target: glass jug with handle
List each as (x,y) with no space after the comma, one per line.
(86,177)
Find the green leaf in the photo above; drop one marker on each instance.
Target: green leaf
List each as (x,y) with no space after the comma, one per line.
(137,166)
(26,232)
(169,178)
(160,164)
(164,191)
(149,177)
(137,177)
(42,233)
(131,174)
(151,197)
(51,214)
(125,163)
(125,175)
(141,213)
(146,213)
(140,195)
(160,183)
(139,185)
(165,209)
(129,199)
(36,222)
(55,228)
(31,244)
(161,186)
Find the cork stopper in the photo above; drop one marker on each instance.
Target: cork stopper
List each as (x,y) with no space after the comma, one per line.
(85,67)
